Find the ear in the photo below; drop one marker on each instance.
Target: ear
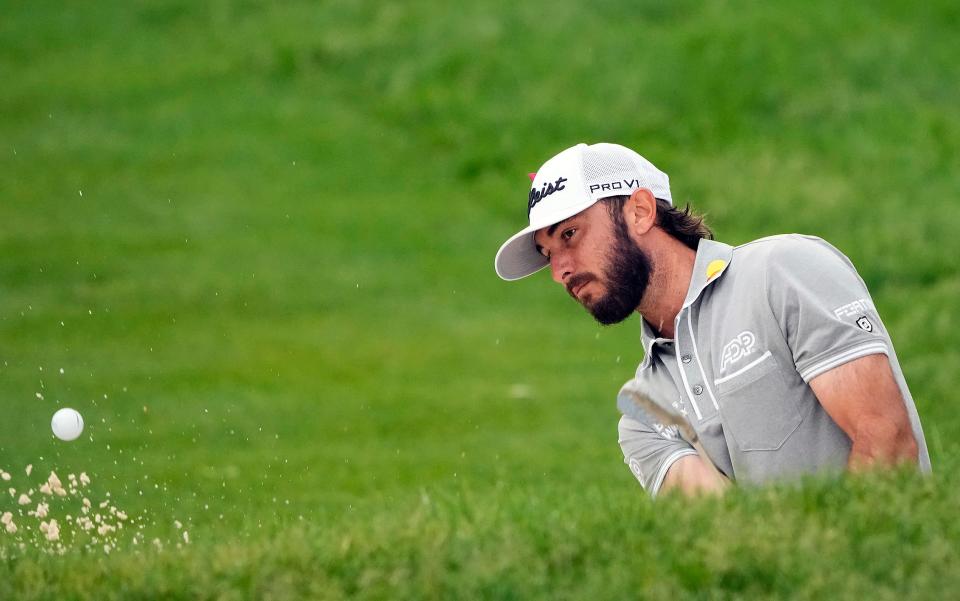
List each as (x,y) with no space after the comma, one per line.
(640,211)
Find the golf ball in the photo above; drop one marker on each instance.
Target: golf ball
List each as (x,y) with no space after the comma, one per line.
(67,424)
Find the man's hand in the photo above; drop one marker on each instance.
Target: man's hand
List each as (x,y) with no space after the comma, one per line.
(863,398)
(691,476)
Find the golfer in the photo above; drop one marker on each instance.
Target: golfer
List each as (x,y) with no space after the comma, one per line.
(772,350)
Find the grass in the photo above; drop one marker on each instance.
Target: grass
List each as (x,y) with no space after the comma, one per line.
(258,239)
(595,543)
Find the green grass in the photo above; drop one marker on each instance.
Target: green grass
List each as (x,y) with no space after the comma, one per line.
(274,301)
(828,539)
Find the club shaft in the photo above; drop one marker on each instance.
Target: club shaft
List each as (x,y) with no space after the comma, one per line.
(668,418)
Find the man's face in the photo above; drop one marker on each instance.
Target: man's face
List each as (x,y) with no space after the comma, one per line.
(593,256)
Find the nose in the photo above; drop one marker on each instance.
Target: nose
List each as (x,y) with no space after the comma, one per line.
(560,267)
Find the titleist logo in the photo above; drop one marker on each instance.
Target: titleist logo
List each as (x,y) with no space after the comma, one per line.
(544,191)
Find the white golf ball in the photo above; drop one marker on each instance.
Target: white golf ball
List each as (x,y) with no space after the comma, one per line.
(67,424)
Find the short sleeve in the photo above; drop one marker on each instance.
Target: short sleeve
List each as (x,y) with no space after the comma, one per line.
(822,306)
(649,451)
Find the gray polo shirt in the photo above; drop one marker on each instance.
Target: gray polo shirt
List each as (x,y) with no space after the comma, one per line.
(758,323)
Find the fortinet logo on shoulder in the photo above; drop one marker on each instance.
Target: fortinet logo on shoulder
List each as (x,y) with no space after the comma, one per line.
(620,184)
(544,191)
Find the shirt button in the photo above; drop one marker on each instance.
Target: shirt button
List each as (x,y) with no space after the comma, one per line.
(698,389)
(685,358)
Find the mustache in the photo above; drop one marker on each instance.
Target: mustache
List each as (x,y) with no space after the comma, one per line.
(578,280)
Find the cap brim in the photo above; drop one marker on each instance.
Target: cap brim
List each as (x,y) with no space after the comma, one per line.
(518,257)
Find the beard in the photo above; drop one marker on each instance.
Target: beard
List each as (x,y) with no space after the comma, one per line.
(626,276)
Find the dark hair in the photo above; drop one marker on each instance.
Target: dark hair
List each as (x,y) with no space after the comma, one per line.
(683,224)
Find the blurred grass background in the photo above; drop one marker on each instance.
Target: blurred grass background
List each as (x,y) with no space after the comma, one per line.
(258,239)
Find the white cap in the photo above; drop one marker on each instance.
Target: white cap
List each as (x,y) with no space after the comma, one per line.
(571,182)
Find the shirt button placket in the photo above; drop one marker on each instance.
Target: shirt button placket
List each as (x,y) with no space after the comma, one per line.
(692,371)
(690,376)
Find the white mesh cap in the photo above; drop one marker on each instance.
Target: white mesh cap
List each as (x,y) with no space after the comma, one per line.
(571,182)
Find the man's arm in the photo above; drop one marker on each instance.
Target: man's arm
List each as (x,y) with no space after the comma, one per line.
(863,398)
(691,476)
(661,459)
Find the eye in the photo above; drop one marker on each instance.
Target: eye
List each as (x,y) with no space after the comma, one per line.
(568,233)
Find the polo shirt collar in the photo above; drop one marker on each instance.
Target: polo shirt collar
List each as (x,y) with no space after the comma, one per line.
(647,336)
(711,262)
